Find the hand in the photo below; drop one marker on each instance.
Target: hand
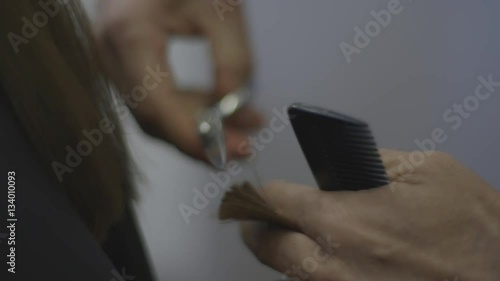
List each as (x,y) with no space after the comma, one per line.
(133,37)
(438,222)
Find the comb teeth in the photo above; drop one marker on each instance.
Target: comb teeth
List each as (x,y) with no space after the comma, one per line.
(340,150)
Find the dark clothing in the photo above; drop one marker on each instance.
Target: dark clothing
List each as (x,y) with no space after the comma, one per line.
(51,241)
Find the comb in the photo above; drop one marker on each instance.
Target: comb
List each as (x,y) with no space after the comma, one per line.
(340,150)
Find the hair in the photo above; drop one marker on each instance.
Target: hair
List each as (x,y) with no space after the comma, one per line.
(244,203)
(50,70)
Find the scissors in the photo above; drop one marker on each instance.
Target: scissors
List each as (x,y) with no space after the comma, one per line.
(210,125)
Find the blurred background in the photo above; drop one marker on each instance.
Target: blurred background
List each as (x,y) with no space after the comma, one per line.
(427,59)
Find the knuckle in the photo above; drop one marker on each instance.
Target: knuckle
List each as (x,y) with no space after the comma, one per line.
(442,157)
(424,162)
(310,201)
(439,159)
(325,204)
(314,209)
(274,186)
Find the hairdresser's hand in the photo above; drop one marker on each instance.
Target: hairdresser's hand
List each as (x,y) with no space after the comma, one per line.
(439,222)
(133,37)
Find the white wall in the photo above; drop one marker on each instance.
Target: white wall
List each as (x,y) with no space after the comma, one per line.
(424,61)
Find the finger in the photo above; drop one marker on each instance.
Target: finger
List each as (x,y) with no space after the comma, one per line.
(235,139)
(291,253)
(139,56)
(179,128)
(300,205)
(246,119)
(237,129)
(309,210)
(391,157)
(136,50)
(398,164)
(231,51)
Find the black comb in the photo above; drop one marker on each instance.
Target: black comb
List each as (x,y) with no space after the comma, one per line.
(340,150)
